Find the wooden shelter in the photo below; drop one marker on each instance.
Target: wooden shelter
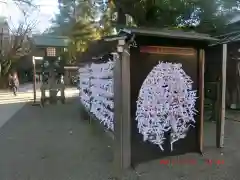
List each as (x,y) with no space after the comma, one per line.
(140,50)
(232,40)
(40,44)
(47,61)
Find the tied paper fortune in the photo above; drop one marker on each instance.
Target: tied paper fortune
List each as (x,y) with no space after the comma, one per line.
(166,103)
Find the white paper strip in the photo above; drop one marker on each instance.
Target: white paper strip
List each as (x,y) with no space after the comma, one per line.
(105,101)
(104,115)
(166,102)
(102,92)
(103,75)
(96,84)
(84,75)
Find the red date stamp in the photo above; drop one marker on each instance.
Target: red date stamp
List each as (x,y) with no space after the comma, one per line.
(189,162)
(216,162)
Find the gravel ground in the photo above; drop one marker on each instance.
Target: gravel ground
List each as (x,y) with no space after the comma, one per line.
(53,143)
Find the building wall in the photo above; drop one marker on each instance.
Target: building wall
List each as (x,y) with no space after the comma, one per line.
(213,70)
(213,63)
(4,35)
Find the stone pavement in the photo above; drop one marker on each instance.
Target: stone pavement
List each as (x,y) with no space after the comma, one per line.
(53,143)
(10,104)
(8,110)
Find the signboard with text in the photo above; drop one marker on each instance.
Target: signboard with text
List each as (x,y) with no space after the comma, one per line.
(168,50)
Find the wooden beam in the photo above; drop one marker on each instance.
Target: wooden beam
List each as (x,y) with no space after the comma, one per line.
(71,67)
(34,80)
(122,116)
(201,95)
(117,117)
(126,109)
(221,118)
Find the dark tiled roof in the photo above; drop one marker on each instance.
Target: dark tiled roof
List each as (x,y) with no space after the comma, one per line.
(173,34)
(50,41)
(228,38)
(100,47)
(234,19)
(109,44)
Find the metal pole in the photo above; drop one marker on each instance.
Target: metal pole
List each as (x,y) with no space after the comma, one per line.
(34,80)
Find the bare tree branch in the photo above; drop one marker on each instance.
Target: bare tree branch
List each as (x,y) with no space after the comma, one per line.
(25,2)
(19,44)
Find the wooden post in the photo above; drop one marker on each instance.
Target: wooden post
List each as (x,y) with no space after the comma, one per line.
(89,87)
(34,80)
(201,96)
(221,120)
(43,95)
(126,109)
(63,93)
(117,117)
(122,116)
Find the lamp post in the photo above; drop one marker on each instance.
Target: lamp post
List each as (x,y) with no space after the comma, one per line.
(34,77)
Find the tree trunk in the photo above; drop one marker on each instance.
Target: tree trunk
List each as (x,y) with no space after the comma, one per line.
(3,82)
(121,19)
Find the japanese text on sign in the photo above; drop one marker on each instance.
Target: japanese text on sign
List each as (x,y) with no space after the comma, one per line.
(167,50)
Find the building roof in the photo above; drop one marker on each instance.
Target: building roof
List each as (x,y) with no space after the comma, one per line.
(109,44)
(50,41)
(234,19)
(100,48)
(228,38)
(172,34)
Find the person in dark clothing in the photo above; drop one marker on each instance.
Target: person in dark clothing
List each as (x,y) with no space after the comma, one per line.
(14,83)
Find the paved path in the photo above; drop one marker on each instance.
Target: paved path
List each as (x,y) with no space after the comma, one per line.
(8,110)
(10,104)
(53,143)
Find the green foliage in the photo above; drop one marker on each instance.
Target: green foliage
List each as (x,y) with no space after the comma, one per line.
(106,26)
(208,16)
(77,17)
(81,33)
(24,2)
(63,22)
(77,21)
(18,44)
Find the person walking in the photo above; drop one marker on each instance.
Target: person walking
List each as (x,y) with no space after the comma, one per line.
(14,83)
(10,81)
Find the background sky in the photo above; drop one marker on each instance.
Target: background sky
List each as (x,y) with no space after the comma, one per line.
(46,11)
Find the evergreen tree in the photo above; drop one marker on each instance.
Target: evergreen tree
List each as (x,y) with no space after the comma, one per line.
(207,16)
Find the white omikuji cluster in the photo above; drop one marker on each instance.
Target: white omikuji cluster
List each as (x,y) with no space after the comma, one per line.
(100,90)
(102,93)
(84,85)
(166,103)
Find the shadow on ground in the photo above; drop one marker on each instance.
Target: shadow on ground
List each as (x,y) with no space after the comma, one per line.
(201,170)
(8,110)
(53,143)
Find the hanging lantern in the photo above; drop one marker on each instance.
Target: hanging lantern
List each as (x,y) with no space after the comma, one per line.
(51,51)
